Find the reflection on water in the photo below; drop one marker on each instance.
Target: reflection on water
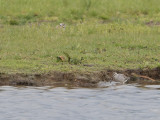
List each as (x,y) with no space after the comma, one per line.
(123,102)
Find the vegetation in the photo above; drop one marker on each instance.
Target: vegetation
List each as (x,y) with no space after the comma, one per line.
(98,34)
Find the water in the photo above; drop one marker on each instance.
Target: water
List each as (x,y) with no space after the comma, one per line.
(122,102)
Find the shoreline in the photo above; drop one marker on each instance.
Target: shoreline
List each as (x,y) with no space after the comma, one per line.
(80,79)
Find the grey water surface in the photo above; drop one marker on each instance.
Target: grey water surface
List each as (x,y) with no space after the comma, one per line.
(117,102)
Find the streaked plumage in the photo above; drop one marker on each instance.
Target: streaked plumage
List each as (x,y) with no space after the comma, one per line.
(120,77)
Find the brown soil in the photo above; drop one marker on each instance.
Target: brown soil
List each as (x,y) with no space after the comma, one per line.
(152,23)
(77,79)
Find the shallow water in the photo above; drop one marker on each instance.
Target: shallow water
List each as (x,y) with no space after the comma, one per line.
(122,102)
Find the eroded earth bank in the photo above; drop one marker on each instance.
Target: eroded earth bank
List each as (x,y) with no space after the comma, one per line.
(80,79)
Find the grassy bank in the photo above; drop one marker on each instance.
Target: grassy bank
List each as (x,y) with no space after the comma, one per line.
(99,34)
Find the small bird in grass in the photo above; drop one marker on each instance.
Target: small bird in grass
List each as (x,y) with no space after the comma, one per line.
(62,25)
(120,78)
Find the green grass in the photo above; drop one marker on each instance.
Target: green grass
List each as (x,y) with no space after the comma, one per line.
(105,34)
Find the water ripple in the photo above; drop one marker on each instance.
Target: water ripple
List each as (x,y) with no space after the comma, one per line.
(119,102)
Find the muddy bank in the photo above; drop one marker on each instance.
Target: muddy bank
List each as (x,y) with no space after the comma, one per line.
(77,79)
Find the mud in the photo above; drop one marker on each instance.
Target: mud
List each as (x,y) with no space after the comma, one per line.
(152,23)
(79,79)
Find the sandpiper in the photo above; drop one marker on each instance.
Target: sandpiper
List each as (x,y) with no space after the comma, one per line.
(120,77)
